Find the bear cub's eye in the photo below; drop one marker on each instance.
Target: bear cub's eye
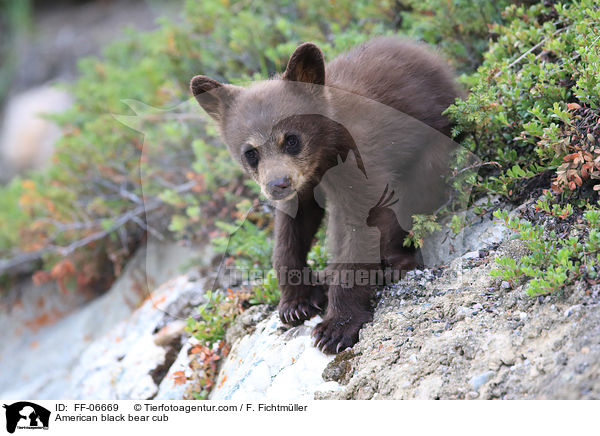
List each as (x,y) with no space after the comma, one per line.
(251,156)
(292,144)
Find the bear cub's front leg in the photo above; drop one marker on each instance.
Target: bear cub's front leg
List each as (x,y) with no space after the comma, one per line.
(348,309)
(300,298)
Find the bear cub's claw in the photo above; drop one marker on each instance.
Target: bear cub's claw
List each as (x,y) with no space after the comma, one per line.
(335,334)
(299,308)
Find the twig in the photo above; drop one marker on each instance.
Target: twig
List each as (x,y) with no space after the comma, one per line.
(145,226)
(128,195)
(182,116)
(477,165)
(538,45)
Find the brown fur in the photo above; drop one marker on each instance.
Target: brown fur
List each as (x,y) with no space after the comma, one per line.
(370,104)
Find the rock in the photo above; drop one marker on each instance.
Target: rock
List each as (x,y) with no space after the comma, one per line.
(500,350)
(472,395)
(128,356)
(530,348)
(463,312)
(443,246)
(168,333)
(338,369)
(477,381)
(274,364)
(514,249)
(504,345)
(471,255)
(170,388)
(98,341)
(571,310)
(26,138)
(429,388)
(246,322)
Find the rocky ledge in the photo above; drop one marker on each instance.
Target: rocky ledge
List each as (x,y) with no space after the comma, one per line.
(448,333)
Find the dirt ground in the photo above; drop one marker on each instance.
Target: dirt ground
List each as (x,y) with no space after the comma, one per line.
(457,333)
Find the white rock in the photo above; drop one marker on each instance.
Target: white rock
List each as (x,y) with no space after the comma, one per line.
(27,139)
(274,365)
(443,246)
(104,349)
(168,389)
(121,363)
(471,255)
(481,379)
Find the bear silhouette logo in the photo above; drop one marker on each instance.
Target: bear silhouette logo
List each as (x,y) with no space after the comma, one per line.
(26,415)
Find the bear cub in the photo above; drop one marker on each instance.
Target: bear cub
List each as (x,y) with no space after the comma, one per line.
(360,140)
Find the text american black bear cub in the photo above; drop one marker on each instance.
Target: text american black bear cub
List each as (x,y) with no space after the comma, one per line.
(362,138)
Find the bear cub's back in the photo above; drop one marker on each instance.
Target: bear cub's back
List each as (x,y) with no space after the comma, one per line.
(404,75)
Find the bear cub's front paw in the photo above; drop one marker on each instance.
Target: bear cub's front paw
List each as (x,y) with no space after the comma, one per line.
(298,307)
(336,332)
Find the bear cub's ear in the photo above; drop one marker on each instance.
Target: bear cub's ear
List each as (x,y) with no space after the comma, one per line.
(213,96)
(306,65)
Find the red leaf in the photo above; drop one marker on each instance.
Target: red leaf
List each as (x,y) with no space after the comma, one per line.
(41,277)
(179,378)
(569,157)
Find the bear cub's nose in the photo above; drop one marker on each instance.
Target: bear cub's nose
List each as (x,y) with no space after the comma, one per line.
(279,188)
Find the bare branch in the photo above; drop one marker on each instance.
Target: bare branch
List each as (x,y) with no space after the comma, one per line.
(538,45)
(128,195)
(145,226)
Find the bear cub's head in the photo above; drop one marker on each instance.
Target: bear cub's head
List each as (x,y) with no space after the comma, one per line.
(277,129)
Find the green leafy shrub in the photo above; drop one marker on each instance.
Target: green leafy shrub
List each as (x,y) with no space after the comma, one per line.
(247,241)
(216,315)
(423,225)
(94,182)
(460,28)
(266,292)
(318,257)
(554,261)
(517,113)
